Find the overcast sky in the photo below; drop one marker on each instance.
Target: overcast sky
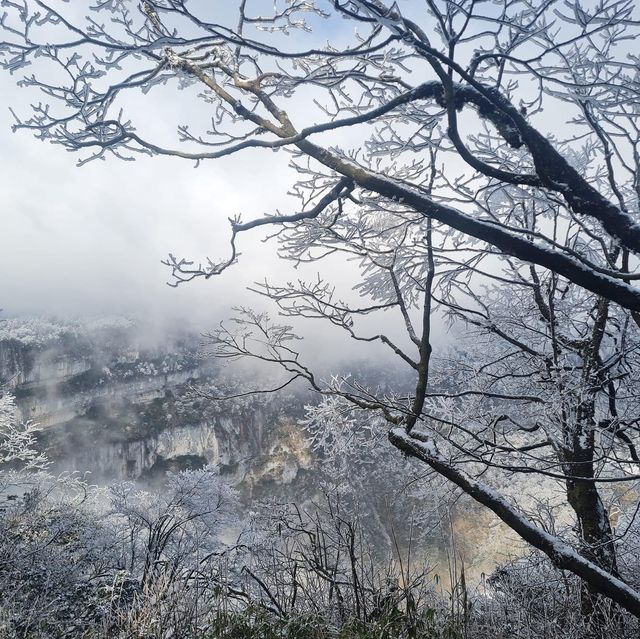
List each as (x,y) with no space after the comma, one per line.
(90,239)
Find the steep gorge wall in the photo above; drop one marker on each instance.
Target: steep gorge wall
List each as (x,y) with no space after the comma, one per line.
(121,412)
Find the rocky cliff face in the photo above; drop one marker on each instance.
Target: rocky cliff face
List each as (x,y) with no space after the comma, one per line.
(109,406)
(23,364)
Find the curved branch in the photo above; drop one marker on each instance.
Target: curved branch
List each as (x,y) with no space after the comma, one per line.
(561,554)
(509,243)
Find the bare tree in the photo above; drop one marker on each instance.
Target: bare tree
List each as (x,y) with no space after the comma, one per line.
(546,382)
(464,180)
(18,449)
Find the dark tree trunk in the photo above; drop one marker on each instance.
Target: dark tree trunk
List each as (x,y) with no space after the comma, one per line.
(593,526)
